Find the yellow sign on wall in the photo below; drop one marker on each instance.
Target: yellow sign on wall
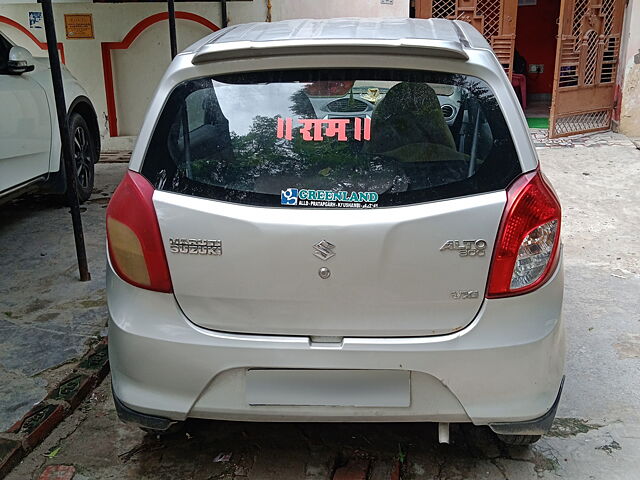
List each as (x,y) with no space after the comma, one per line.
(79,25)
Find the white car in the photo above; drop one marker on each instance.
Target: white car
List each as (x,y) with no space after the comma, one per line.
(337,220)
(30,152)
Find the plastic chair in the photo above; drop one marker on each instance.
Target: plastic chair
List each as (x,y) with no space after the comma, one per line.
(519,81)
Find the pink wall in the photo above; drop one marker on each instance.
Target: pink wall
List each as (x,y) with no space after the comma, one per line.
(536,32)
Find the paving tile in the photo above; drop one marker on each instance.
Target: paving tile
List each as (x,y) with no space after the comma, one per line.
(591,140)
(17,395)
(37,424)
(58,472)
(73,389)
(355,469)
(385,469)
(97,361)
(31,349)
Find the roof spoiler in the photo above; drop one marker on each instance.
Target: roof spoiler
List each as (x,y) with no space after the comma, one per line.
(407,46)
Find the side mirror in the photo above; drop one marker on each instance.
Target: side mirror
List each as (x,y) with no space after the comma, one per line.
(20,61)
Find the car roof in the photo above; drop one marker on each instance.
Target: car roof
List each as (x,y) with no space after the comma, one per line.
(448,34)
(342,28)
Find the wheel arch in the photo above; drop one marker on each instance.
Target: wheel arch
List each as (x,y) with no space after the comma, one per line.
(56,182)
(83,107)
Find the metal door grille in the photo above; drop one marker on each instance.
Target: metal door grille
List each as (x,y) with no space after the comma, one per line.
(443,8)
(586,65)
(495,19)
(490,10)
(581,122)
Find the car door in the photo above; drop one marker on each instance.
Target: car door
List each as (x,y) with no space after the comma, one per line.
(25,126)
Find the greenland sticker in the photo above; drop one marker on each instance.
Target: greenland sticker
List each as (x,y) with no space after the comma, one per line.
(328,198)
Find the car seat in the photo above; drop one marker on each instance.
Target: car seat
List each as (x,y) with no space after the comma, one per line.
(408,125)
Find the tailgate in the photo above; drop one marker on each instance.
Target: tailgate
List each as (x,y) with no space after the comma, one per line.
(401,271)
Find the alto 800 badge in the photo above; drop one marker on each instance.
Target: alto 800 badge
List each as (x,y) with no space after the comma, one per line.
(466,248)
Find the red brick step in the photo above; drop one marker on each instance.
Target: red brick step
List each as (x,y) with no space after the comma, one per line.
(58,472)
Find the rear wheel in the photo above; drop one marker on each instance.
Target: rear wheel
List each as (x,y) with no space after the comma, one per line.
(519,439)
(83,152)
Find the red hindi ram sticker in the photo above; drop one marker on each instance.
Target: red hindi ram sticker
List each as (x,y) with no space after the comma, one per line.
(312,128)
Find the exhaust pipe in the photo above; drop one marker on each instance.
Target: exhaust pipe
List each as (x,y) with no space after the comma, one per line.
(443,432)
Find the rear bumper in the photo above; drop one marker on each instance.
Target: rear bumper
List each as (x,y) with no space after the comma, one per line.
(506,367)
(143,420)
(537,426)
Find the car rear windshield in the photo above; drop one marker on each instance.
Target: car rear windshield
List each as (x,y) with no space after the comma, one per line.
(331,138)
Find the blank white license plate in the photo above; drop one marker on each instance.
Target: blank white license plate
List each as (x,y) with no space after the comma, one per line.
(344,388)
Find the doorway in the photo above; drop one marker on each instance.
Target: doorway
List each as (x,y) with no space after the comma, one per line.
(568,53)
(535,56)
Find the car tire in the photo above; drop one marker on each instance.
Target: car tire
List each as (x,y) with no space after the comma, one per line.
(83,151)
(519,440)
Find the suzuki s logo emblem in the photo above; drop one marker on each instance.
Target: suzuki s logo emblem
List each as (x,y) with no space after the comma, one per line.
(324,250)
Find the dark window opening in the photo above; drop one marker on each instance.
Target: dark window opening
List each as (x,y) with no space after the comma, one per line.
(399,136)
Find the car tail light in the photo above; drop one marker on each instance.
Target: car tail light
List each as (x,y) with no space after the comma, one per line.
(526,249)
(133,235)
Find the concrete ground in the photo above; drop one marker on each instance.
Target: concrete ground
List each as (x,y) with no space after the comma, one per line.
(596,435)
(47,316)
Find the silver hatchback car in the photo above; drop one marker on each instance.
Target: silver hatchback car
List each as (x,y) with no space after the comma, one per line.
(337,220)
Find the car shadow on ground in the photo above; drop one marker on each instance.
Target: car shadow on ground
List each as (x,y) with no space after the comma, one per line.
(317,450)
(15,210)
